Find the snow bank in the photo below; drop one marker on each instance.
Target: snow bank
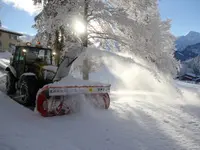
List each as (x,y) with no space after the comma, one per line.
(6,55)
(5,59)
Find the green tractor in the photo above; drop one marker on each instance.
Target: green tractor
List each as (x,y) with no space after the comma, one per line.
(30,69)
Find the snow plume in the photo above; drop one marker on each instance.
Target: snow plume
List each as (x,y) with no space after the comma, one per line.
(26,5)
(128,73)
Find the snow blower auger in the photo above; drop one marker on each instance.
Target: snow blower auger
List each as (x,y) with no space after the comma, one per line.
(53,100)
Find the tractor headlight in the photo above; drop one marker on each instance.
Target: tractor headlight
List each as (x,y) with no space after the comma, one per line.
(54,53)
(24,50)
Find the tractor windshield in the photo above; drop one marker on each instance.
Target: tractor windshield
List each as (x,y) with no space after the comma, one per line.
(36,53)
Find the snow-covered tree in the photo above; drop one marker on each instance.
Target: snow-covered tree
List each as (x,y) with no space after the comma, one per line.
(194,65)
(67,14)
(150,37)
(135,25)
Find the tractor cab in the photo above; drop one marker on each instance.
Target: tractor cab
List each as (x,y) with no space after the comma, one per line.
(28,59)
(30,69)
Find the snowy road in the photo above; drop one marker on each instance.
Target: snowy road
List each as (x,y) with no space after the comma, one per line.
(131,123)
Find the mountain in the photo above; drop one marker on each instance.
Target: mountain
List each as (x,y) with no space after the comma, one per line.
(189,52)
(27,38)
(190,39)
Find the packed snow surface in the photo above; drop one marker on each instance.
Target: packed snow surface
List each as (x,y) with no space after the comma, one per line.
(147,112)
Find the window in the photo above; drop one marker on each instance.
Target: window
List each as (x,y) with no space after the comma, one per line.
(11,45)
(45,55)
(13,37)
(42,54)
(17,54)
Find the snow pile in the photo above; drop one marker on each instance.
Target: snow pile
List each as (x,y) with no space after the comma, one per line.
(6,55)
(5,59)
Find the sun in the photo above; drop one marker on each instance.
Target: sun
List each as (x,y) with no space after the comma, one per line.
(79,27)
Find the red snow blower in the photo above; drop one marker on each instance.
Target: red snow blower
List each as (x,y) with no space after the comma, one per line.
(57,98)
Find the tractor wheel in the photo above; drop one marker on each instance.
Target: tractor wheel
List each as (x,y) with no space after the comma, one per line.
(10,84)
(28,91)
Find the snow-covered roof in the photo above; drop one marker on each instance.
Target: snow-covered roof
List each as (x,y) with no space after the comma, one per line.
(9,31)
(189,60)
(190,74)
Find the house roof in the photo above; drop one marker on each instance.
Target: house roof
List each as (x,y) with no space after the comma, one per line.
(9,31)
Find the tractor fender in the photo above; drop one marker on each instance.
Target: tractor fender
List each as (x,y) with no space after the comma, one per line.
(27,75)
(12,70)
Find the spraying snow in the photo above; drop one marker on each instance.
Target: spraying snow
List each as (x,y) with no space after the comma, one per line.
(123,73)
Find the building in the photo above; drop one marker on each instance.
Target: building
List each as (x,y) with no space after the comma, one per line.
(8,39)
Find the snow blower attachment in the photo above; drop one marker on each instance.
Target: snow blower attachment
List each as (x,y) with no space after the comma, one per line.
(58,98)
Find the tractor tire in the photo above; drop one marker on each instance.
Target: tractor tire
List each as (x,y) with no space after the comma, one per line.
(28,91)
(10,83)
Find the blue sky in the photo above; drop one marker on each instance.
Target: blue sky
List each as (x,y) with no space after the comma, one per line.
(18,15)
(185,15)
(15,17)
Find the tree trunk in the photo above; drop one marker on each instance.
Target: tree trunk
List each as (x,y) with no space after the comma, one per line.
(86,68)
(85,37)
(56,46)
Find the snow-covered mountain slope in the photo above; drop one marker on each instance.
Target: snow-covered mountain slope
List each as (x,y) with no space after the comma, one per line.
(190,39)
(27,38)
(145,114)
(189,52)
